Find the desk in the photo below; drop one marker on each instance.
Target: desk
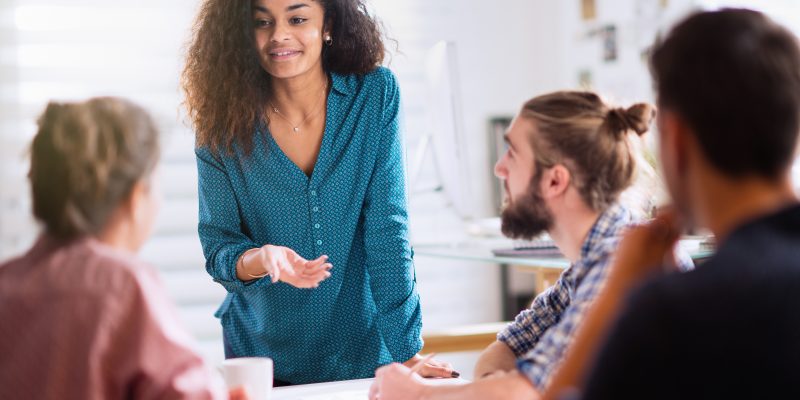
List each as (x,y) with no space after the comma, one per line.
(344,390)
(480,250)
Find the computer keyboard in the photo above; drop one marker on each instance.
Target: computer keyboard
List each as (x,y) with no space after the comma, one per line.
(539,243)
(530,248)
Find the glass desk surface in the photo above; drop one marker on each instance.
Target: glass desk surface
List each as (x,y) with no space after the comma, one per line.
(480,250)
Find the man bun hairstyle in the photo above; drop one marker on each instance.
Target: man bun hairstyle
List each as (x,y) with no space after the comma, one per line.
(579,131)
(636,118)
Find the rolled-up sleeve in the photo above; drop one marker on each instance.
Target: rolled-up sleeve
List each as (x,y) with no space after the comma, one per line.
(220,226)
(389,258)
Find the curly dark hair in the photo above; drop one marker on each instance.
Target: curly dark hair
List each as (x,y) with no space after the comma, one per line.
(225,85)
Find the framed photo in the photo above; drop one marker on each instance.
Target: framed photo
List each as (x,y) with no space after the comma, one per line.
(588,9)
(609,35)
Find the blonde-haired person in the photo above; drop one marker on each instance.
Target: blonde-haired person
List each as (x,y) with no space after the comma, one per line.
(82,318)
(569,158)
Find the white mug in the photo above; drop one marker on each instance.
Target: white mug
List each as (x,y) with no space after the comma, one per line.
(253,372)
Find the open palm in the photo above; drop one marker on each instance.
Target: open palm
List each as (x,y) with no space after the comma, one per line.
(284,264)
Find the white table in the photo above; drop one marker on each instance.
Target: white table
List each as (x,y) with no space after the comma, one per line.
(344,390)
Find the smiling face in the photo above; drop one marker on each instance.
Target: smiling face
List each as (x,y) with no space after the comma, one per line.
(289,36)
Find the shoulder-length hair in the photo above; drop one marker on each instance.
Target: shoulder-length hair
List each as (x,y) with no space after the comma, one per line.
(227,89)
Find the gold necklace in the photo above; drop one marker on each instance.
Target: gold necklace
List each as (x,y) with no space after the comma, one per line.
(296,128)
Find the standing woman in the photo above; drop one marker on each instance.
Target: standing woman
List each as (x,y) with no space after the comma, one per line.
(299,156)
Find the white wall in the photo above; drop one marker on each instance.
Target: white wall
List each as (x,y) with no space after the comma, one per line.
(508,51)
(625,80)
(67,50)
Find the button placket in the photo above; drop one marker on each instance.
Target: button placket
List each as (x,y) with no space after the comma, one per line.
(315,217)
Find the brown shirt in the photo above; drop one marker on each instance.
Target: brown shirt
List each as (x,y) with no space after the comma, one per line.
(85,321)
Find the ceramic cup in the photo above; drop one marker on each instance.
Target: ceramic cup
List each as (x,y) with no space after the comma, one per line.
(255,373)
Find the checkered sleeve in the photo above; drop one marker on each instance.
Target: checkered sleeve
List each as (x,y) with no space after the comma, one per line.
(543,360)
(529,326)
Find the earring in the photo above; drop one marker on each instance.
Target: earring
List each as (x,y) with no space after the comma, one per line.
(328,40)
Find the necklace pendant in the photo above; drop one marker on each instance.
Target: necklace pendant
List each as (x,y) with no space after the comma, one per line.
(296,129)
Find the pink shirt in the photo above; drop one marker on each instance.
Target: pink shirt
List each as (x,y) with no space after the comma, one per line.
(86,321)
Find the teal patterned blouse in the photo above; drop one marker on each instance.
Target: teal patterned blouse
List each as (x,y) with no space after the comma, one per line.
(352,208)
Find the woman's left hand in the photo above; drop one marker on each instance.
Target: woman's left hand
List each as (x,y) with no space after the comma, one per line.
(432,368)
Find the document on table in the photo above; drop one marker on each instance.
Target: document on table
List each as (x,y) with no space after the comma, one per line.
(344,395)
(344,390)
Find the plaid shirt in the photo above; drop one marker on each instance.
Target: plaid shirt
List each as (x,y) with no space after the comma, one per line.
(540,335)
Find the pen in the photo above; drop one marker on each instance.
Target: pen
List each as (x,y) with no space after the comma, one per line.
(418,366)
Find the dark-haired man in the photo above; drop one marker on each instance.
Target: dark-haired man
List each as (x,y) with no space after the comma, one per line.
(728,86)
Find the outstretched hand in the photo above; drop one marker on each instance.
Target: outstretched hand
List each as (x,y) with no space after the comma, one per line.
(287,266)
(284,264)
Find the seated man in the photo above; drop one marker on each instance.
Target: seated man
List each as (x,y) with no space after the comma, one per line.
(728,85)
(568,160)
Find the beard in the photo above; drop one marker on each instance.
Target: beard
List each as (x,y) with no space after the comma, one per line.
(527,216)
